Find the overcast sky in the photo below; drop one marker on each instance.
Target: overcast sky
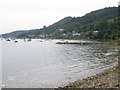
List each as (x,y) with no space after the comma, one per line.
(33,14)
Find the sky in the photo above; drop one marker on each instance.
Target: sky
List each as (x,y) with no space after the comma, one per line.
(34,14)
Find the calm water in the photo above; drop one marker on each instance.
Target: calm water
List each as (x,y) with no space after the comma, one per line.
(45,64)
(0,64)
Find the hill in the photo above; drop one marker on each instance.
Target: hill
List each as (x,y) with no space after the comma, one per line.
(99,24)
(13,34)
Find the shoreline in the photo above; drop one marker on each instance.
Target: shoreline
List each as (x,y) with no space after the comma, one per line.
(106,79)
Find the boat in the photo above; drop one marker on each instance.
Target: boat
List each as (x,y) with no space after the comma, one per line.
(8,40)
(15,41)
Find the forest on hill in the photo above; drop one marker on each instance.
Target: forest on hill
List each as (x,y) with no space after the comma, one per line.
(99,24)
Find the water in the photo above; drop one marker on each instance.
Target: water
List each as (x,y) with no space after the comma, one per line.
(0,64)
(45,64)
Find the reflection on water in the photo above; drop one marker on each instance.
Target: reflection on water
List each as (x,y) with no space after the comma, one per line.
(46,64)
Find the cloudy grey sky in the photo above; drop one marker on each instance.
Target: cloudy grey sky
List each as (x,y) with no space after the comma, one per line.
(33,14)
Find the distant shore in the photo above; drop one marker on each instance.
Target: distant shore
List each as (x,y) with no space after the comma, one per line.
(106,79)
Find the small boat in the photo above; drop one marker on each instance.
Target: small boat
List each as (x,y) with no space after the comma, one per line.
(8,40)
(15,41)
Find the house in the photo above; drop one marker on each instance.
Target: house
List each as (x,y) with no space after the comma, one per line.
(95,32)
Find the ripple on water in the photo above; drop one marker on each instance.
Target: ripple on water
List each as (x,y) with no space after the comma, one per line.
(46,64)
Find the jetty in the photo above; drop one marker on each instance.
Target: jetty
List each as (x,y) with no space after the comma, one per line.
(91,43)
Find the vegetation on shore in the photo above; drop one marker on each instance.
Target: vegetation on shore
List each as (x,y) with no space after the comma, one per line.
(101,24)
